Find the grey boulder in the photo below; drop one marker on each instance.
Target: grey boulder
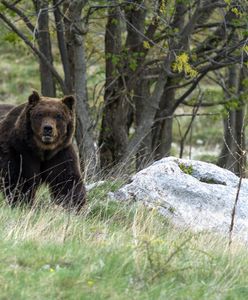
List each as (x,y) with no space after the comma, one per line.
(192,194)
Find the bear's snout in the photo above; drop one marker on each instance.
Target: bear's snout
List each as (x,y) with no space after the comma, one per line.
(47,130)
(48,127)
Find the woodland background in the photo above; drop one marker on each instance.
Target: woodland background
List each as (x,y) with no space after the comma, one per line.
(151,78)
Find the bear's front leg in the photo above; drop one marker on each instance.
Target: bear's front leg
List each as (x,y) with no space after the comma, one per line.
(62,174)
(20,179)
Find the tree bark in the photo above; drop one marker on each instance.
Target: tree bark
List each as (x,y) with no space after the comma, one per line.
(113,136)
(144,154)
(60,31)
(227,156)
(240,125)
(241,145)
(76,55)
(231,156)
(148,114)
(44,42)
(120,64)
(162,129)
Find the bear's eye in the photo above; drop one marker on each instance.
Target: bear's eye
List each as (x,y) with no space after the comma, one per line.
(39,115)
(59,117)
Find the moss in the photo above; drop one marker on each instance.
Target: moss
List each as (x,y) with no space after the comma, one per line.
(172,209)
(208,180)
(212,181)
(187,169)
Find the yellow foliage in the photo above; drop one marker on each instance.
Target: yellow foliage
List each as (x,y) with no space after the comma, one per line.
(181,64)
(245,48)
(236,12)
(146,45)
(228,2)
(90,283)
(162,8)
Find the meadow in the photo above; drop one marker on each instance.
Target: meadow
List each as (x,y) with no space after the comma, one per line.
(112,251)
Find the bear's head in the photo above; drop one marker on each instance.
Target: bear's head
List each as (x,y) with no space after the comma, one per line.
(52,120)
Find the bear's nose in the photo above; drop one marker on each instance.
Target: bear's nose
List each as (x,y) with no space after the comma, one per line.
(47,130)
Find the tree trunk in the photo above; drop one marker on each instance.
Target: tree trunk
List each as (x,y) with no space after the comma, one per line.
(148,113)
(232,155)
(164,148)
(144,154)
(227,157)
(240,136)
(76,56)
(240,125)
(60,31)
(44,42)
(113,135)
(162,129)
(121,65)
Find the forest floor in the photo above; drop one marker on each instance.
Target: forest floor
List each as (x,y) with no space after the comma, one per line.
(113,251)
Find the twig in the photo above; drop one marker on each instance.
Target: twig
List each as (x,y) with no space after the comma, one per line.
(20,14)
(35,50)
(236,198)
(186,115)
(195,110)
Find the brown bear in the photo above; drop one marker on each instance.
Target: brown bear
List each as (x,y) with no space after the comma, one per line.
(36,147)
(4,109)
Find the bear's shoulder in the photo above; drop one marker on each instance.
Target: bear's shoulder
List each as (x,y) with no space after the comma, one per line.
(7,123)
(11,116)
(5,108)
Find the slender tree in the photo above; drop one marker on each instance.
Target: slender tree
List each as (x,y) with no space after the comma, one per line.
(44,44)
(74,36)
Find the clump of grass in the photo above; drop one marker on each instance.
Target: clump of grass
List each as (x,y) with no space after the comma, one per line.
(187,169)
(112,251)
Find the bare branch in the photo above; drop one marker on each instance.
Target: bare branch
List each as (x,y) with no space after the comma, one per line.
(20,14)
(188,92)
(194,113)
(35,50)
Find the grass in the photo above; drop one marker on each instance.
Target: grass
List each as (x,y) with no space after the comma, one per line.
(19,77)
(113,251)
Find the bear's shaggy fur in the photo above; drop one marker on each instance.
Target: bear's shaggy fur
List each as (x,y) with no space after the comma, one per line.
(4,109)
(36,147)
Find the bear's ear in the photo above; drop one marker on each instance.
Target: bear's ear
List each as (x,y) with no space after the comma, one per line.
(34,98)
(69,101)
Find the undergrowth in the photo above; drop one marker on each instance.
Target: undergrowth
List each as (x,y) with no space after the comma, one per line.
(112,251)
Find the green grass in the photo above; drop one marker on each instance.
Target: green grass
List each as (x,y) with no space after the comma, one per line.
(20,75)
(113,251)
